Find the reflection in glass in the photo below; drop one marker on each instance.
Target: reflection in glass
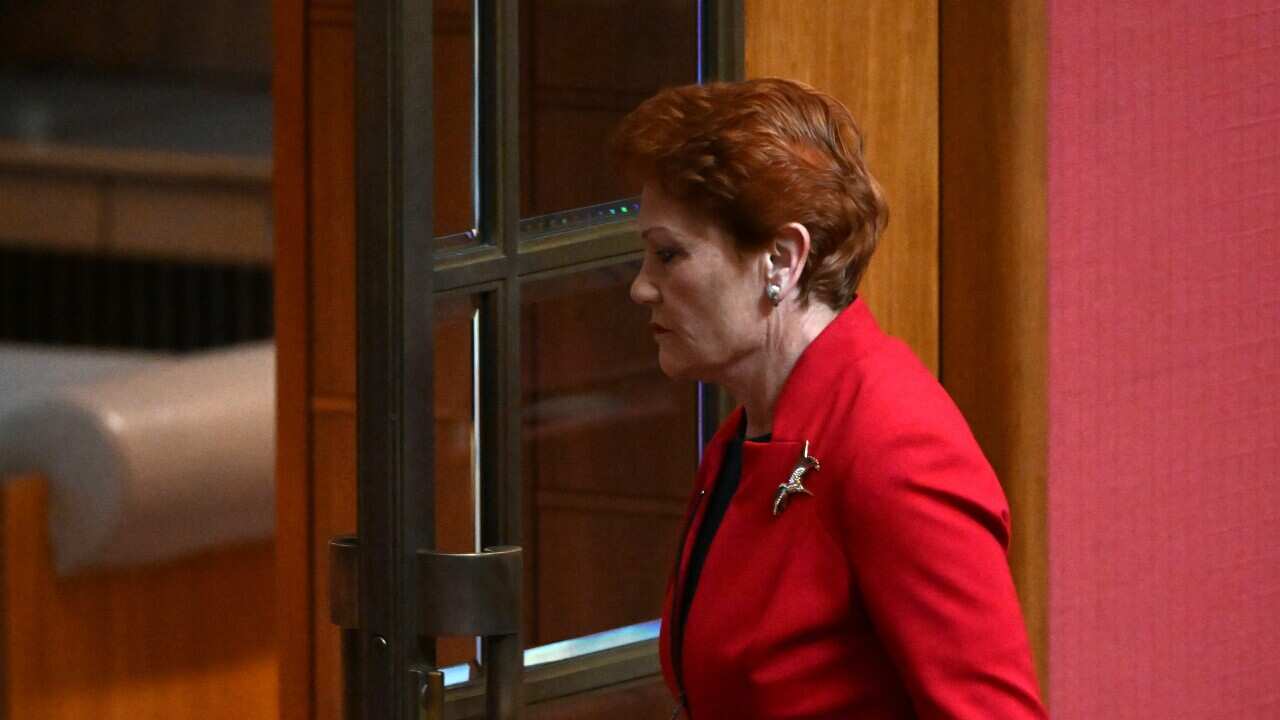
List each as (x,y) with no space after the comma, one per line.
(454,108)
(566,649)
(584,65)
(579,218)
(609,447)
(457,440)
(587,644)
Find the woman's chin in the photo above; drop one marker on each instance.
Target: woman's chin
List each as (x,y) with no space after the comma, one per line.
(678,368)
(672,365)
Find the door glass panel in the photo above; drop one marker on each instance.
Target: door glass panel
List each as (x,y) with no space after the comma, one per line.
(609,449)
(457,441)
(584,65)
(454,105)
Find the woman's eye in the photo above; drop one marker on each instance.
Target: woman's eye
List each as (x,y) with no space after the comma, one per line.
(666,256)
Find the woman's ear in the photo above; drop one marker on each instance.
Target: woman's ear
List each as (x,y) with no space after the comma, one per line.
(787,256)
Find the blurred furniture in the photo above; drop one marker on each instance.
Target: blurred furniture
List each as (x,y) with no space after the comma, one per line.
(174,168)
(134,212)
(138,512)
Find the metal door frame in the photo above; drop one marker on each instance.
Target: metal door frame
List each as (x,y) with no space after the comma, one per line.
(394,217)
(397,273)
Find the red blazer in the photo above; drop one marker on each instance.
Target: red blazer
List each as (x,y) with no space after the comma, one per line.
(885,594)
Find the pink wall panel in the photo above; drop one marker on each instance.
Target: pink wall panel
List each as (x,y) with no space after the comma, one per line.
(1164,286)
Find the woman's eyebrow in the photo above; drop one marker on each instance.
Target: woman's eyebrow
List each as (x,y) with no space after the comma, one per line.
(659,230)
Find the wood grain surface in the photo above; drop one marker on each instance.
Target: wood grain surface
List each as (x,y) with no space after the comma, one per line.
(880,58)
(191,638)
(331,221)
(994,245)
(330,350)
(295,577)
(333,458)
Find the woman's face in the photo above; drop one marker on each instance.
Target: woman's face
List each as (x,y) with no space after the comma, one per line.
(706,301)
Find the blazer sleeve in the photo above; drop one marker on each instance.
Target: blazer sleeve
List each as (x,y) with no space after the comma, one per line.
(925,525)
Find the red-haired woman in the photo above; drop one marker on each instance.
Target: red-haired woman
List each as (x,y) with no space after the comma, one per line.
(845,555)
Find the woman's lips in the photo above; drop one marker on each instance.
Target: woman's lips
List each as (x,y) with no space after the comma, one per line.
(658,329)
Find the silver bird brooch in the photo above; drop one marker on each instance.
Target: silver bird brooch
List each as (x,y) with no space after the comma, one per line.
(795,483)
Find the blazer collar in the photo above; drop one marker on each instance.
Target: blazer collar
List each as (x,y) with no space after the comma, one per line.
(825,373)
(828,364)
(823,366)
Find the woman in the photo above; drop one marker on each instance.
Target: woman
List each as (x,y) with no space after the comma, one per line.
(845,551)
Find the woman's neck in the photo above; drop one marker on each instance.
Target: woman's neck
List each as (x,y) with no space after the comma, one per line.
(758,380)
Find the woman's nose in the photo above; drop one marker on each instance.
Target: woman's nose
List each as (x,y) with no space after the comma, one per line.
(643,292)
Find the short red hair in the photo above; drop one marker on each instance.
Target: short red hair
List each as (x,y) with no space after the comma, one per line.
(758,154)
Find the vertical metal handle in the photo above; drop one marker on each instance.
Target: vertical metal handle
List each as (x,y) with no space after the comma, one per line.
(344,611)
(479,594)
(462,594)
(504,676)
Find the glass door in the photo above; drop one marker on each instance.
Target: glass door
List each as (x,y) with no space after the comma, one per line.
(509,394)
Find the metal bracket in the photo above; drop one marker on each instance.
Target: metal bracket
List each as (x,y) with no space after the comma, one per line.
(469,593)
(344,582)
(479,594)
(458,594)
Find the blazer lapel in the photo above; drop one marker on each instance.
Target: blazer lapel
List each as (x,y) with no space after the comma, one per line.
(713,457)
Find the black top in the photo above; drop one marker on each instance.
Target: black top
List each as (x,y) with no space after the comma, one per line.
(721,495)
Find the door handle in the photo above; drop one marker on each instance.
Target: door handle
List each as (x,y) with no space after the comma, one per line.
(458,594)
(344,611)
(479,594)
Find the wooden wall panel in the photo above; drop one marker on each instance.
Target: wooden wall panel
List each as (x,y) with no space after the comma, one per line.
(331,306)
(333,451)
(191,638)
(880,58)
(331,347)
(294,573)
(331,223)
(994,298)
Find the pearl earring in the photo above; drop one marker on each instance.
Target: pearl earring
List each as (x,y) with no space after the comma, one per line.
(774,293)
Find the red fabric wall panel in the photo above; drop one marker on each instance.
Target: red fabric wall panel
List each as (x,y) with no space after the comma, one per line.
(1164,286)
